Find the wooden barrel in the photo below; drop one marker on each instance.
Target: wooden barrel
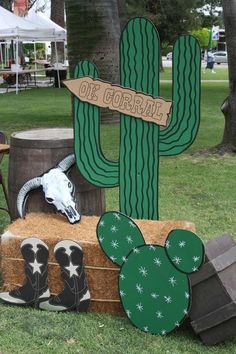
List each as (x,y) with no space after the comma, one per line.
(33,153)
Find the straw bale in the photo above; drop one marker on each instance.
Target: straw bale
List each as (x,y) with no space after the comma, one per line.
(100,271)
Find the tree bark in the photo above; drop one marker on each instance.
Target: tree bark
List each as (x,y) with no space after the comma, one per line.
(57,16)
(229,106)
(122,13)
(93,32)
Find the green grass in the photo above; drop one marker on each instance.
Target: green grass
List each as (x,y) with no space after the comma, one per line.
(39,107)
(193,187)
(221,73)
(31,331)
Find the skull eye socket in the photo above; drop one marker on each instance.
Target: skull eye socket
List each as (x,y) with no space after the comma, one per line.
(49,200)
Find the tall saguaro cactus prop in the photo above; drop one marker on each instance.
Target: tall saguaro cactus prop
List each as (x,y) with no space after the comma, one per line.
(141,143)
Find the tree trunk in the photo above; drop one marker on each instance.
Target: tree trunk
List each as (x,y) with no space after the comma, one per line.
(122,13)
(229,106)
(57,16)
(93,32)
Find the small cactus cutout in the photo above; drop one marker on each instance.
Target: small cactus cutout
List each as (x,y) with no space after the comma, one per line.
(153,283)
(141,143)
(185,250)
(118,235)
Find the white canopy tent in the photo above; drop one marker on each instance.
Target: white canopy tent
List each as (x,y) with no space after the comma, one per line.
(13,27)
(20,29)
(44,22)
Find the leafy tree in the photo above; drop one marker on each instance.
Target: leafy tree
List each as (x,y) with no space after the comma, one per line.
(171,17)
(210,13)
(210,5)
(28,50)
(203,36)
(7,4)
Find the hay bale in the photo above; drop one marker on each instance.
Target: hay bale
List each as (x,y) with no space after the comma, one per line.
(101,272)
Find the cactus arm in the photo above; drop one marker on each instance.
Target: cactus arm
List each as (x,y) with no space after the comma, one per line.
(89,157)
(184,122)
(139,159)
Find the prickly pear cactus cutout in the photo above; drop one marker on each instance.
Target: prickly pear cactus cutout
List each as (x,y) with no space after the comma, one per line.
(154,294)
(185,250)
(141,143)
(154,290)
(118,235)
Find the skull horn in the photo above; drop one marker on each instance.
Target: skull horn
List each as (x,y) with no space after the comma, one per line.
(23,193)
(66,163)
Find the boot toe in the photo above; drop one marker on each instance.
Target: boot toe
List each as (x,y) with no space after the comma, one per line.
(5,296)
(46,305)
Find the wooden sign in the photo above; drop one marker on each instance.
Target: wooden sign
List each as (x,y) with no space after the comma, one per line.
(121,99)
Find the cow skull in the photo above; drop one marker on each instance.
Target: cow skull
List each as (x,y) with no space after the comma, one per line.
(57,188)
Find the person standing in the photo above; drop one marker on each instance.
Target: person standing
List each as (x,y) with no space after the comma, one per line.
(210,62)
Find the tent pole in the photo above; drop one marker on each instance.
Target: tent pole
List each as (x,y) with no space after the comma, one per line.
(64,52)
(7,55)
(1,54)
(58,73)
(35,57)
(12,50)
(17,71)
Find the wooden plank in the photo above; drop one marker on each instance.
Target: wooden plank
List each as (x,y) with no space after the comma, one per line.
(215,318)
(213,310)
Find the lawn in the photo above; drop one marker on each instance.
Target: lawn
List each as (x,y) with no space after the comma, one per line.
(221,73)
(195,187)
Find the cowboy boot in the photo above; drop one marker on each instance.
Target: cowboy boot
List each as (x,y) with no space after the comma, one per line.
(75,294)
(35,289)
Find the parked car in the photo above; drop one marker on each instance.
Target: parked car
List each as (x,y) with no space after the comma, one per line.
(220,57)
(169,56)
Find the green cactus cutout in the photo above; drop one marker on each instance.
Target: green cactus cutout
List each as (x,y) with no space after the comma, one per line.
(118,235)
(185,250)
(153,285)
(154,294)
(141,143)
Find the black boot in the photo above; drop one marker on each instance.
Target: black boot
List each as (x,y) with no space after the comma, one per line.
(75,295)
(35,289)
